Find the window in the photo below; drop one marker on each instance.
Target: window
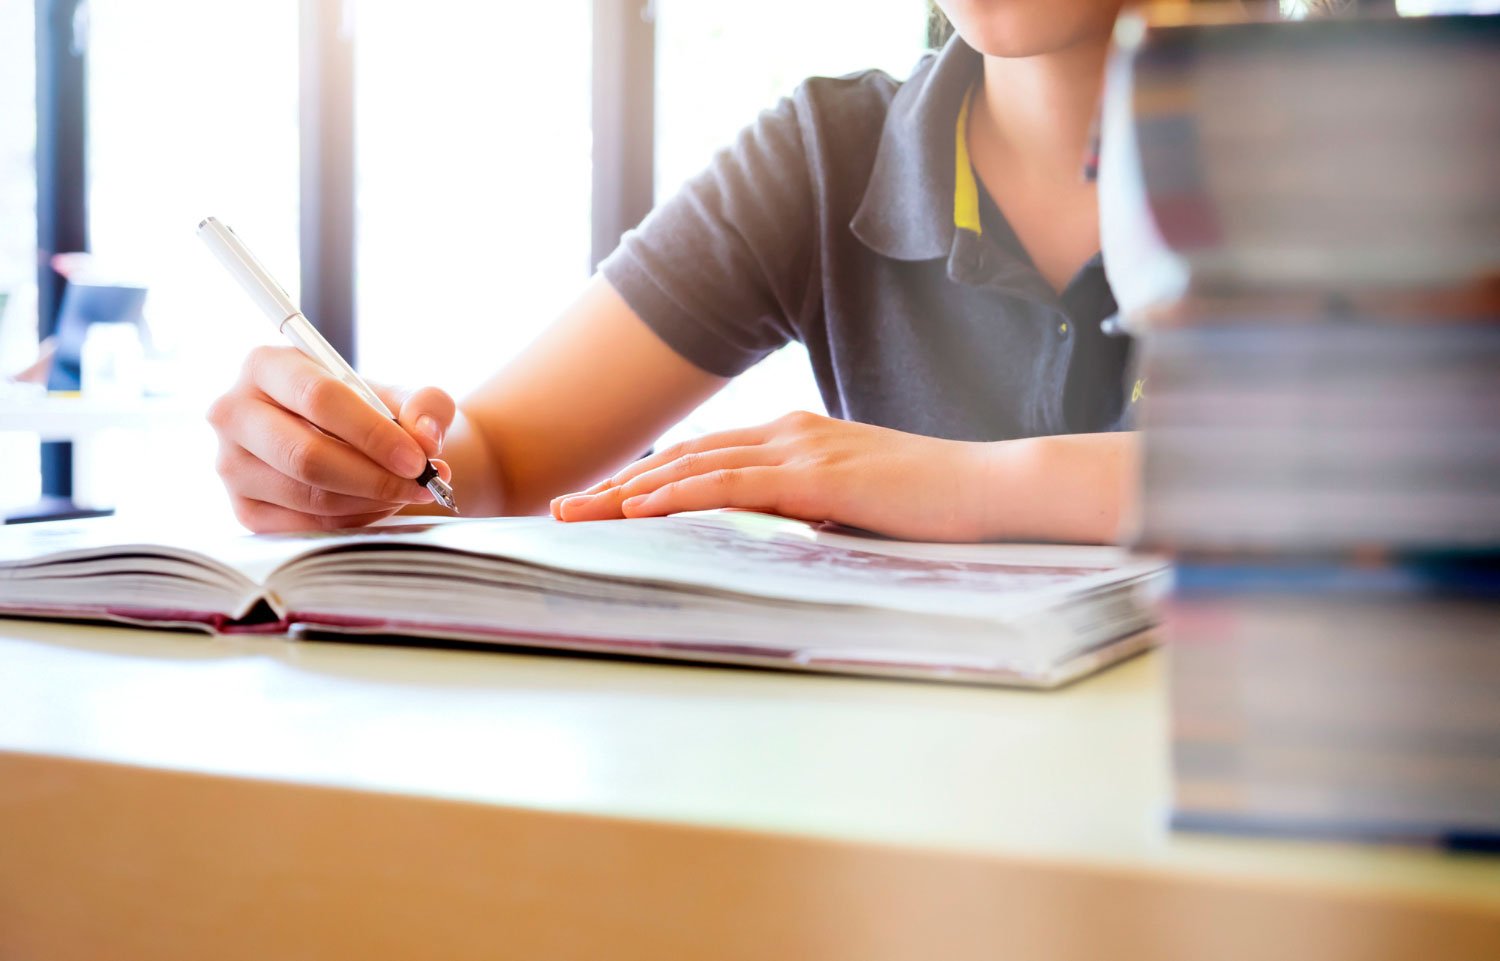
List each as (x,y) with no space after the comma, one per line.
(473,181)
(20,480)
(472,190)
(192,111)
(17,185)
(719,64)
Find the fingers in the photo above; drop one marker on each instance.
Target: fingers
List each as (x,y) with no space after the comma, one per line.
(299,385)
(726,450)
(246,475)
(605,501)
(427,414)
(263,518)
(749,488)
(743,437)
(792,466)
(301,450)
(444,471)
(292,447)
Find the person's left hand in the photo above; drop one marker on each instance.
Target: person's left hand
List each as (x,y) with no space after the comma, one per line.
(807,467)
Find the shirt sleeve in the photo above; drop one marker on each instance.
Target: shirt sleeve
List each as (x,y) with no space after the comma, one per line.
(722,270)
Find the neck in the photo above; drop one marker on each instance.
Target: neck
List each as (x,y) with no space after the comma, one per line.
(1040,109)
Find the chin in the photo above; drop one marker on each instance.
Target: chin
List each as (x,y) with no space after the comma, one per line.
(1026,28)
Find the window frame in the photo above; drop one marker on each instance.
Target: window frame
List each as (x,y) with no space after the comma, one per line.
(623,62)
(62,221)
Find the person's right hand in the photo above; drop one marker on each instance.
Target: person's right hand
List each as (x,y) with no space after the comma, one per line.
(299,450)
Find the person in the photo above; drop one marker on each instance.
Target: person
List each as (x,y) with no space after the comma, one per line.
(932,242)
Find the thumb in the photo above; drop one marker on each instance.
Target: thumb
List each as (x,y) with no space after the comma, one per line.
(425,414)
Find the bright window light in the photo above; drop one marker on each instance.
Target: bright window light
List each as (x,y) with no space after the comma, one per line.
(473,128)
(193,112)
(20,480)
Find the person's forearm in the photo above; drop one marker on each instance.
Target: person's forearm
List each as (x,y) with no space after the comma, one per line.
(1078,488)
(587,397)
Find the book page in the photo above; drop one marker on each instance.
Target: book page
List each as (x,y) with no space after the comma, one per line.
(219,545)
(756,554)
(729,551)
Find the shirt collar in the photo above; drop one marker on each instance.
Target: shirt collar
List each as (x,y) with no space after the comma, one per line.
(923,202)
(906,210)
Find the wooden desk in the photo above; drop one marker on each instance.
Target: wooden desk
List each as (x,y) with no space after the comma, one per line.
(171,796)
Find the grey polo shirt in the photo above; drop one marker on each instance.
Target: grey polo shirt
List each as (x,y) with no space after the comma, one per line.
(848,218)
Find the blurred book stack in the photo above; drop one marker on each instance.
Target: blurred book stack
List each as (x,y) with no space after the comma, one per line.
(1316,286)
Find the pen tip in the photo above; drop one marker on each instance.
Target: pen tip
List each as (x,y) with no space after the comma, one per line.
(443,494)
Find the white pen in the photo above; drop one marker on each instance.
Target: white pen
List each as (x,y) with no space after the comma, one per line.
(271,299)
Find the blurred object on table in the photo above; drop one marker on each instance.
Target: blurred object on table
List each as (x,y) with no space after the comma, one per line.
(1303,221)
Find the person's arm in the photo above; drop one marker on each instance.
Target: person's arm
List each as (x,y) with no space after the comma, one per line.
(299,450)
(591,394)
(709,284)
(1072,488)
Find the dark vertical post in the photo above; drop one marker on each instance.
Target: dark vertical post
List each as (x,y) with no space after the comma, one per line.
(61,179)
(327,165)
(624,119)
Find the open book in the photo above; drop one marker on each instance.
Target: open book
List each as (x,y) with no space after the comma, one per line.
(725,587)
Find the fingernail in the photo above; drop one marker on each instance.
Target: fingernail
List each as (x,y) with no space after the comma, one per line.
(427,426)
(409,462)
(633,502)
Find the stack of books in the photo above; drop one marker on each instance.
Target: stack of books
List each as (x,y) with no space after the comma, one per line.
(1334,697)
(1320,206)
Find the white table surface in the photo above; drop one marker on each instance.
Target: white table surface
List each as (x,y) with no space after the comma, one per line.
(1077,775)
(57,418)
